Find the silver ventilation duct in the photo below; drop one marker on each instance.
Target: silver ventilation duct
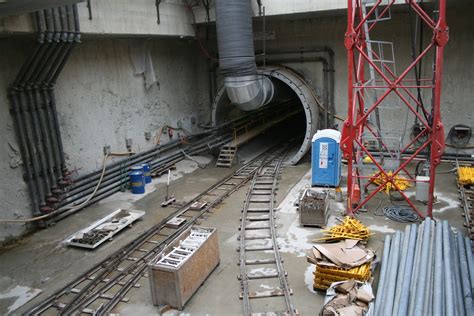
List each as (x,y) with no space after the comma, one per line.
(244,86)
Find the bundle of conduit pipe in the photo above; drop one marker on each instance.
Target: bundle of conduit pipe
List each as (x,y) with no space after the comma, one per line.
(115,175)
(427,270)
(33,106)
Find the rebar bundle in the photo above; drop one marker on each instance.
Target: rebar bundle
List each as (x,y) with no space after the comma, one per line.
(427,270)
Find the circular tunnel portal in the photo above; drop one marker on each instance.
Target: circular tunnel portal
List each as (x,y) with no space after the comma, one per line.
(289,86)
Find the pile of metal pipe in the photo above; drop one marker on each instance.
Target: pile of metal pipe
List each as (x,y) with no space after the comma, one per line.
(33,106)
(426,270)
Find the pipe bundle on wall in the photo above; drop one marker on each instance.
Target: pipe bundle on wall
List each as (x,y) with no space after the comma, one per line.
(116,174)
(427,270)
(33,106)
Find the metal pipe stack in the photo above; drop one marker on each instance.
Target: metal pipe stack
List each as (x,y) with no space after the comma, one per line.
(426,270)
(33,106)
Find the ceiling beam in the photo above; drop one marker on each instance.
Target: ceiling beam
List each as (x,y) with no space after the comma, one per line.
(16,7)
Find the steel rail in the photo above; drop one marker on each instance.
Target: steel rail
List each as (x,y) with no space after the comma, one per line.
(466,195)
(97,281)
(267,173)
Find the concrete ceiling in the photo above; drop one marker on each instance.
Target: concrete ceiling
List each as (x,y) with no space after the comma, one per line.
(16,7)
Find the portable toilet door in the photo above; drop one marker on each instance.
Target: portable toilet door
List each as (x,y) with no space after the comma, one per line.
(326,158)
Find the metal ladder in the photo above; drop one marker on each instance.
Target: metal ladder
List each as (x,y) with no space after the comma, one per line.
(226,156)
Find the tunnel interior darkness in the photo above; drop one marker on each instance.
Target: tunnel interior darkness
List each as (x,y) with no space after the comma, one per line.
(294,99)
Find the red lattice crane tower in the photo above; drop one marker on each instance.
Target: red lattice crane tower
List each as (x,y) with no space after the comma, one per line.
(375,88)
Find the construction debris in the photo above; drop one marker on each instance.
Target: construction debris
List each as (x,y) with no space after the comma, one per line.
(104,229)
(344,257)
(348,298)
(340,261)
(350,228)
(313,208)
(427,270)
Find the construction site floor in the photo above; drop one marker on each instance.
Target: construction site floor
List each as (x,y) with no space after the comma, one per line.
(41,263)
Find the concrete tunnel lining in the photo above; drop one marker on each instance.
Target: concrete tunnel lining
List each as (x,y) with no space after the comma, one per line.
(302,89)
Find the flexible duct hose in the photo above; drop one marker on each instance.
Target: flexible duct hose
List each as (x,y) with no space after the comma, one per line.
(235,38)
(245,88)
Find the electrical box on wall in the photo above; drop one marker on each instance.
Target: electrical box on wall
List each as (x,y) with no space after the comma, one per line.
(326,158)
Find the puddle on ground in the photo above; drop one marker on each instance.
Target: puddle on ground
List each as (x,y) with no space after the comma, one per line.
(13,298)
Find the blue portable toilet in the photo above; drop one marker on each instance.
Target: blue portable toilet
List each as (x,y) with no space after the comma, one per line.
(326,158)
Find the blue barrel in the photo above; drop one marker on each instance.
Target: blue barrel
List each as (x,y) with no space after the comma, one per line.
(137,180)
(147,172)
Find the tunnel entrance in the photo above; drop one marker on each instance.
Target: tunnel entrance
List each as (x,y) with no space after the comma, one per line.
(294,99)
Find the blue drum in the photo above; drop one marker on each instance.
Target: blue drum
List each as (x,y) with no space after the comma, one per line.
(147,172)
(137,180)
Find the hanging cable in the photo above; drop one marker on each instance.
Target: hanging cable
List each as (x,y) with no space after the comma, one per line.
(38,218)
(196,31)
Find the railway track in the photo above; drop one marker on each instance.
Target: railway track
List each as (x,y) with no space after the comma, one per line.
(259,256)
(466,195)
(100,289)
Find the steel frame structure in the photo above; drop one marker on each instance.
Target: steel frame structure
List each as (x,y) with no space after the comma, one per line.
(397,86)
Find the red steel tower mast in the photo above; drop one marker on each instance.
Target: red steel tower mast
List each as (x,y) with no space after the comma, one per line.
(369,92)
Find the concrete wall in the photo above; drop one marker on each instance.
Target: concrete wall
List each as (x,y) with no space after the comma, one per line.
(13,191)
(457,92)
(99,88)
(101,102)
(289,7)
(120,17)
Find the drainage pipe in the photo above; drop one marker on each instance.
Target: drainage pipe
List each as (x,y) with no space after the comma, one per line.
(245,87)
(392,274)
(458,292)
(116,186)
(407,275)
(68,33)
(470,261)
(118,175)
(438,273)
(150,153)
(40,107)
(17,114)
(74,37)
(448,272)
(20,132)
(428,292)
(39,133)
(465,281)
(403,265)
(383,273)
